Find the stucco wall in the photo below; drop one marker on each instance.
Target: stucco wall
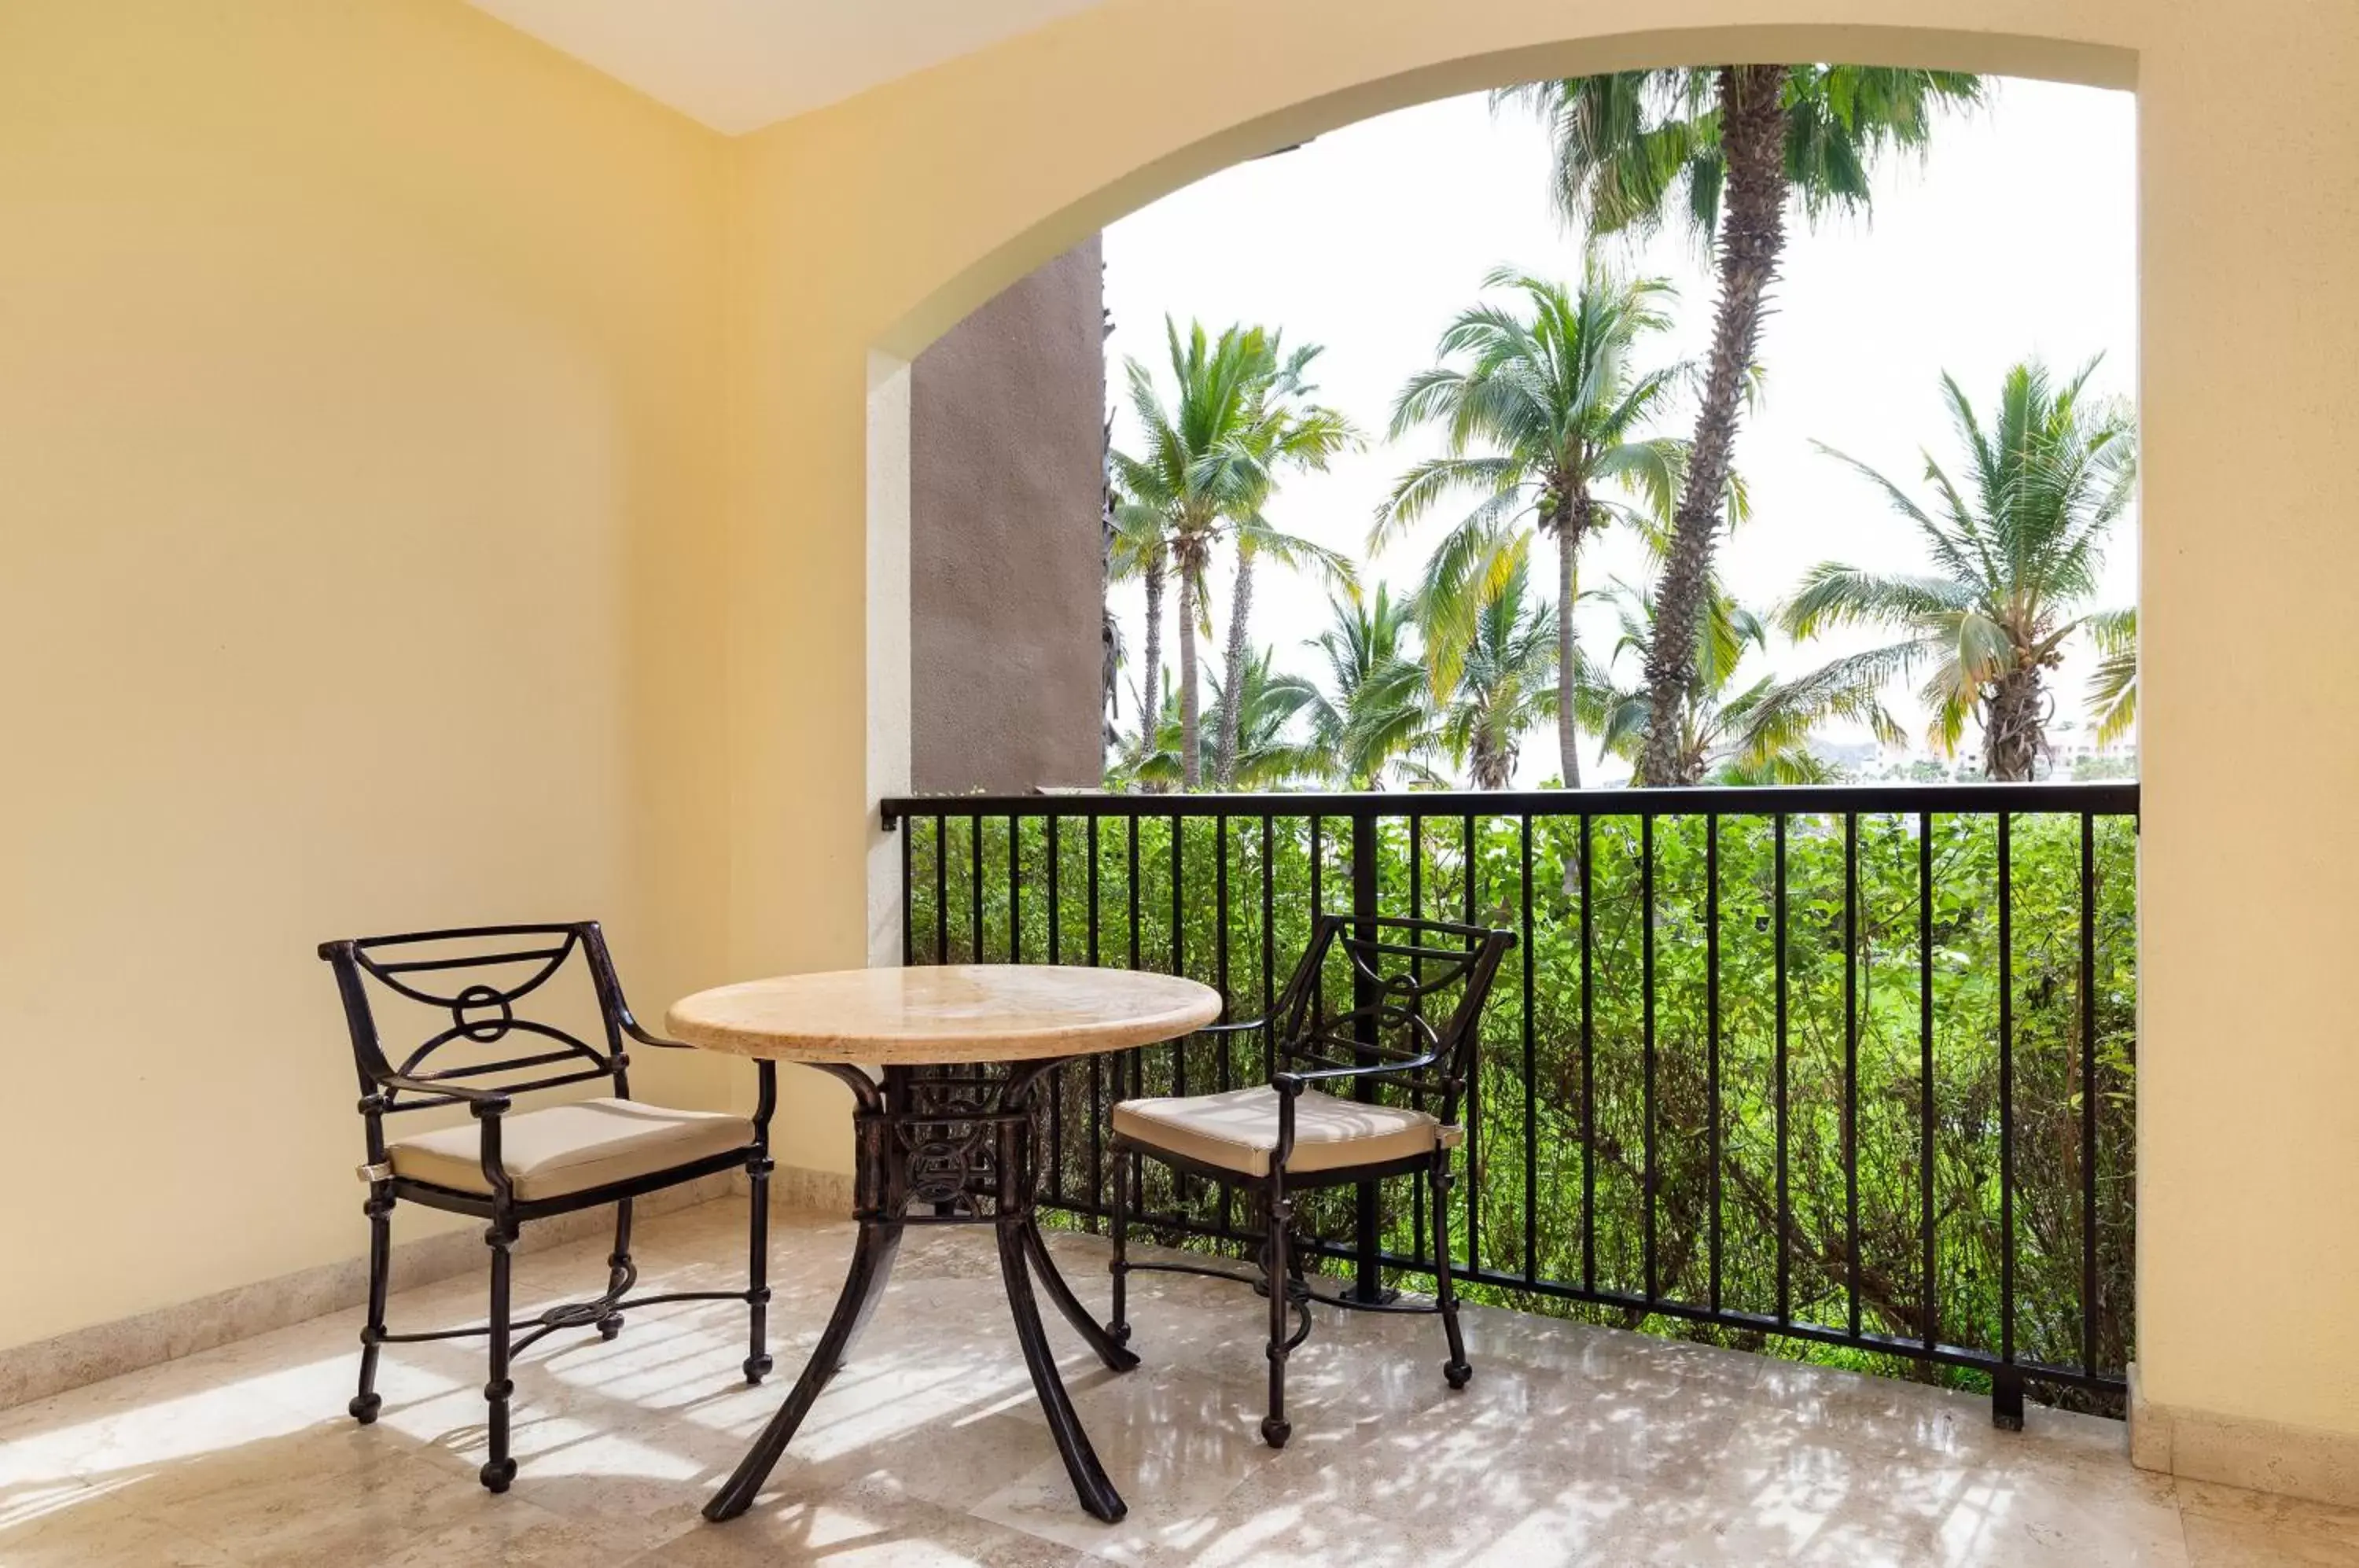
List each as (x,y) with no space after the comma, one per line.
(895,213)
(360,472)
(1006,414)
(384,378)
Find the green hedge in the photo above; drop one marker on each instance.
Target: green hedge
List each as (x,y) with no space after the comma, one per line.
(1229,872)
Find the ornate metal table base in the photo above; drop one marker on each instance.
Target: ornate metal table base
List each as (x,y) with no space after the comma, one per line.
(956,1144)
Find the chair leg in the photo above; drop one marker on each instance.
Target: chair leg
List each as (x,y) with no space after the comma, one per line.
(1119,1327)
(619,1271)
(379,1209)
(1275,1428)
(499,1469)
(1446,1293)
(757,1268)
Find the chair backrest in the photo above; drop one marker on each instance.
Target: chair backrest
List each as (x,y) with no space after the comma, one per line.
(1416,992)
(491,983)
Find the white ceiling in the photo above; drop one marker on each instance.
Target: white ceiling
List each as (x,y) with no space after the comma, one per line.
(740,64)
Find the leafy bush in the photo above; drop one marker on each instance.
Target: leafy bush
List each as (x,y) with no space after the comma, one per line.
(1228,902)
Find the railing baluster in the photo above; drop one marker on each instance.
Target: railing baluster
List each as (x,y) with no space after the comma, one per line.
(1056,937)
(1135,1078)
(975,889)
(1098,1106)
(1057,1081)
(1850,1066)
(1925,1130)
(1221,977)
(1179,1183)
(1475,1165)
(1588,1037)
(2088,1095)
(1269,947)
(1777,964)
(1417,971)
(2006,1388)
(1647,1015)
(1531,1107)
(1711,1040)
(1014,894)
(942,890)
(1367,1274)
(909,911)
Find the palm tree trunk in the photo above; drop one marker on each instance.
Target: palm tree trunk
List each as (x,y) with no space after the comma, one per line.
(1752,234)
(1224,750)
(1568,584)
(1150,696)
(1483,766)
(1191,765)
(2015,733)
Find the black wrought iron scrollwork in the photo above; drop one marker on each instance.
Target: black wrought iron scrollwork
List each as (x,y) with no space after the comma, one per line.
(946,1135)
(482,998)
(487,971)
(947,1145)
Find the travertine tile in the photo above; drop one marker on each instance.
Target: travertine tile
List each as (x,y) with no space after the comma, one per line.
(1572,1444)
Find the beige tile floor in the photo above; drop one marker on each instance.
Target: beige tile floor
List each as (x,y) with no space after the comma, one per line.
(1573,1445)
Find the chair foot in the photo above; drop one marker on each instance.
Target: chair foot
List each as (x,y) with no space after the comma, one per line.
(756,1368)
(1118,1332)
(1457,1372)
(610,1325)
(496,1475)
(364,1407)
(1275,1432)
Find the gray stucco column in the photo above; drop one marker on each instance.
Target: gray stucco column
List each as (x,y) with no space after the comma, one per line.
(1006,586)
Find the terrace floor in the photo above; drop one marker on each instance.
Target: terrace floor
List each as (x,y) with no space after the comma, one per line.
(1572,1444)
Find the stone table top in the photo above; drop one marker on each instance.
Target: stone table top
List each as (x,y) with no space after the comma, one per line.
(945,1013)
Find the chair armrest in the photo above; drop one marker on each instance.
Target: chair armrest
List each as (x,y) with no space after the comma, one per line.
(638,1031)
(485,1102)
(1242,1027)
(1290,1083)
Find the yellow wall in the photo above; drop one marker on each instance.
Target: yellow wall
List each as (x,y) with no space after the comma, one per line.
(434,482)
(360,488)
(876,222)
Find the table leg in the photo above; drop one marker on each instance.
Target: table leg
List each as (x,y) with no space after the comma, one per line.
(863,1287)
(1089,1477)
(941,1144)
(1120,1357)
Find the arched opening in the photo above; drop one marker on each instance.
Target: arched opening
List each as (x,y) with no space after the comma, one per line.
(1412,869)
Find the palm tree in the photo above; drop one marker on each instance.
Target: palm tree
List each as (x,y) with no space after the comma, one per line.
(2113,688)
(1212,454)
(1137,549)
(1270,755)
(1507,683)
(1287,430)
(1376,708)
(1254,537)
(1541,407)
(1724,147)
(1757,734)
(2016,552)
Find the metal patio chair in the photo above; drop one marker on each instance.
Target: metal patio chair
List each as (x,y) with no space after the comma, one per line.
(1290,1134)
(513,1166)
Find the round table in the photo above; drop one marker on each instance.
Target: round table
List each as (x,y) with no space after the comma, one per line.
(943,1134)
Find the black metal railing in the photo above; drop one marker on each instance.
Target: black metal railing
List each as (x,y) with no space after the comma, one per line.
(1848,1066)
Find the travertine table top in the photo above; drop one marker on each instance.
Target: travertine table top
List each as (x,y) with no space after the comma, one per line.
(967,1012)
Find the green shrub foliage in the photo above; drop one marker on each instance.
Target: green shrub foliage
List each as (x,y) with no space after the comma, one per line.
(1227,900)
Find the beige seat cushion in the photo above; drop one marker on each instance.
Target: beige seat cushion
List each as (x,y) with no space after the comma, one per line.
(1238,1130)
(568,1148)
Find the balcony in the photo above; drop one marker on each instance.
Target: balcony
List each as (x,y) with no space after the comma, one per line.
(1573,1444)
(1848,1072)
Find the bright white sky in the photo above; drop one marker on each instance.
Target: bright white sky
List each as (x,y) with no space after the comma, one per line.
(2016,236)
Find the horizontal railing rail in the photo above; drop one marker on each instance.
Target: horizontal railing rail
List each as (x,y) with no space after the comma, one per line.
(1849,1065)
